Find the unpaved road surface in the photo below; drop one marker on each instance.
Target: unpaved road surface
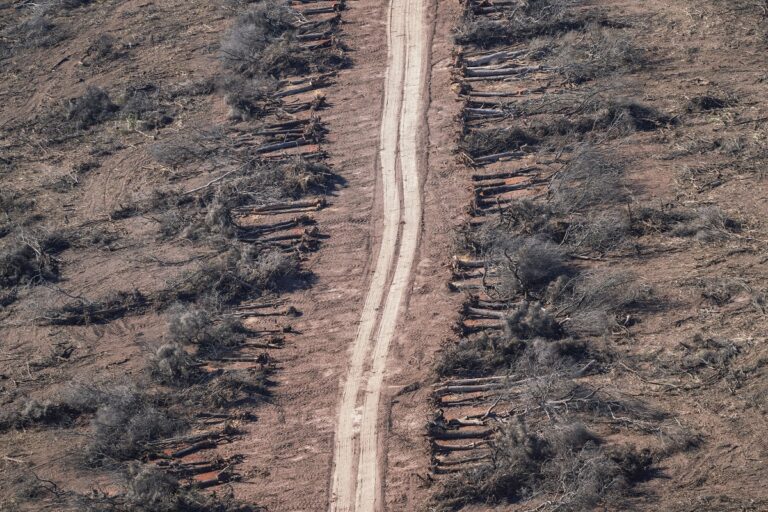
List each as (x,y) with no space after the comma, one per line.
(356,481)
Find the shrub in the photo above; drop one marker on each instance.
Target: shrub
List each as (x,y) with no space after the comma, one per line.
(152,490)
(260,43)
(91,108)
(488,141)
(103,48)
(596,52)
(126,421)
(172,365)
(479,356)
(529,320)
(601,232)
(31,259)
(85,312)
(594,300)
(591,178)
(709,224)
(243,272)
(190,325)
(529,264)
(236,386)
(524,21)
(566,460)
(249,98)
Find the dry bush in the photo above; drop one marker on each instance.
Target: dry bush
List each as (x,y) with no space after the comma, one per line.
(248,98)
(565,460)
(91,108)
(707,102)
(145,107)
(528,264)
(708,224)
(86,312)
(242,272)
(235,387)
(260,42)
(104,48)
(591,178)
(600,232)
(172,365)
(195,326)
(525,21)
(595,301)
(530,320)
(36,32)
(189,147)
(596,52)
(126,421)
(489,141)
(479,356)
(30,259)
(152,490)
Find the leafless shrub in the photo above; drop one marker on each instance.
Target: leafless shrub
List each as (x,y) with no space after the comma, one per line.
(260,42)
(563,354)
(600,232)
(191,325)
(594,302)
(596,52)
(104,48)
(249,98)
(172,365)
(126,421)
(144,106)
(702,353)
(529,320)
(707,102)
(31,259)
(242,272)
(646,220)
(568,461)
(524,21)
(91,108)
(528,264)
(188,147)
(591,178)
(152,490)
(86,312)
(478,356)
(36,32)
(236,386)
(488,141)
(710,224)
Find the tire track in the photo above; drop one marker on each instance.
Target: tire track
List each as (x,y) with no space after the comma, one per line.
(355,484)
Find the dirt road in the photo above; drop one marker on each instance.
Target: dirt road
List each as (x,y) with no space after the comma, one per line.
(356,481)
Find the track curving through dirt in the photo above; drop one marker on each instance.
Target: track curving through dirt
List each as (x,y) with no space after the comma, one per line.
(356,478)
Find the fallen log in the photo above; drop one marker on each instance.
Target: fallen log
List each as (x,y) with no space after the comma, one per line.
(305,88)
(459,390)
(448,435)
(480,160)
(219,479)
(202,445)
(321,10)
(477,380)
(502,72)
(459,462)
(458,286)
(282,145)
(484,313)
(447,448)
(493,57)
(287,205)
(485,191)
